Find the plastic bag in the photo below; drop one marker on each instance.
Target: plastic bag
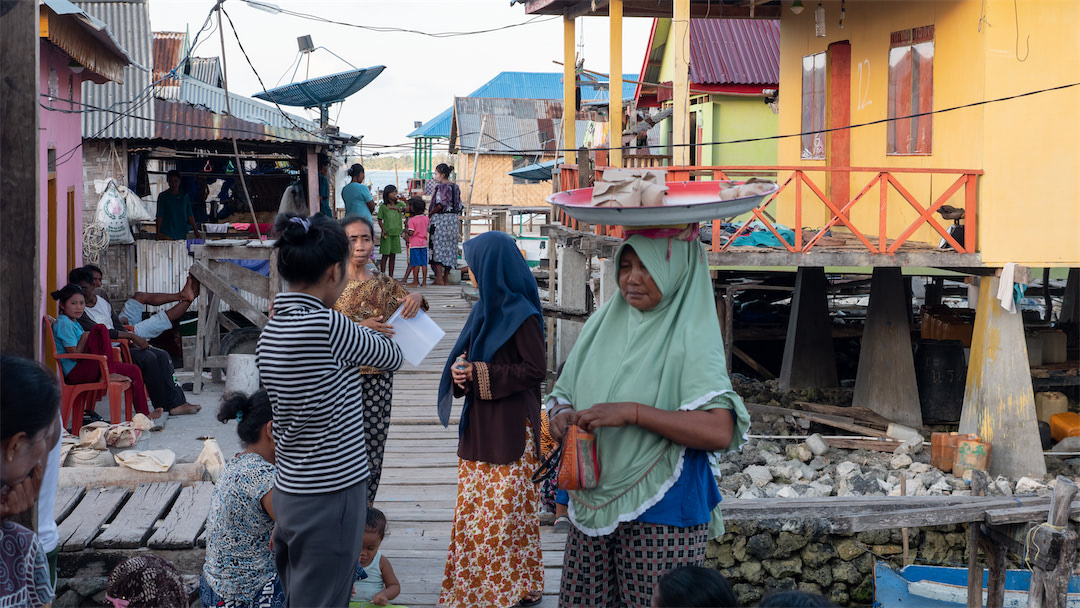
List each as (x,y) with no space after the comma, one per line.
(137,212)
(151,461)
(112,212)
(212,458)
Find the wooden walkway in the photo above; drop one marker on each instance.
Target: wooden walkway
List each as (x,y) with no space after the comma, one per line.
(419,481)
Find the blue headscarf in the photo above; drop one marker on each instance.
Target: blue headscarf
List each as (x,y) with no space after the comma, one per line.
(508,297)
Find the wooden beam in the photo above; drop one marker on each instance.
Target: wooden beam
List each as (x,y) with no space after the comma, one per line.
(20,332)
(680,39)
(569,92)
(225,291)
(615,82)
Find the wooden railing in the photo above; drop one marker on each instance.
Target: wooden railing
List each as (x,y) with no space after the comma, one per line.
(807,191)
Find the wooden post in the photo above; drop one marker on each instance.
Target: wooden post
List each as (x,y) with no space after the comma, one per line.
(20,325)
(999,403)
(472,180)
(808,350)
(569,90)
(615,82)
(1050,588)
(979,483)
(680,94)
(885,381)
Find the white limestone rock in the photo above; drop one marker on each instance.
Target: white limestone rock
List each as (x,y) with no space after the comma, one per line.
(900,462)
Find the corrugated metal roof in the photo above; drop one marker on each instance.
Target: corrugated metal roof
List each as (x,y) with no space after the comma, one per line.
(205,69)
(510,126)
(129,23)
(168,49)
(734,51)
(199,93)
(180,121)
(521,85)
(108,65)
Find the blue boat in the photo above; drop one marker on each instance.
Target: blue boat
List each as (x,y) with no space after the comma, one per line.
(943,587)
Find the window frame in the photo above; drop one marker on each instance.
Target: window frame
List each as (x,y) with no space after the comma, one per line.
(910,91)
(812,145)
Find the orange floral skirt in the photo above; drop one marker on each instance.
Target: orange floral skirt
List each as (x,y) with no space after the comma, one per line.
(494,557)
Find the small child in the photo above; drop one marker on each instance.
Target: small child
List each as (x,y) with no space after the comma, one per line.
(381,584)
(418,242)
(693,587)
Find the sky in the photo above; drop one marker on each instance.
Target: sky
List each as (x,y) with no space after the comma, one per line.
(423,74)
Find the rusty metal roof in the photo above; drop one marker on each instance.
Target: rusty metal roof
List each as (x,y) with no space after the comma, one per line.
(182,121)
(734,51)
(168,53)
(510,126)
(205,69)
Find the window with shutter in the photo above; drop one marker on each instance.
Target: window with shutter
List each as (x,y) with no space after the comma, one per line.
(911,91)
(813,106)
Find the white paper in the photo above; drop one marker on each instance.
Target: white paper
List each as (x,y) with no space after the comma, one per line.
(416,336)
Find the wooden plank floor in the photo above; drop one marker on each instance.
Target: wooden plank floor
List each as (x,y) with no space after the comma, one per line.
(419,481)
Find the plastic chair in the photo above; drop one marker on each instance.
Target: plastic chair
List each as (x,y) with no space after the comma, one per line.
(75,398)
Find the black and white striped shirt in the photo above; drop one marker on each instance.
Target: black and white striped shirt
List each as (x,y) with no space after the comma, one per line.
(308,357)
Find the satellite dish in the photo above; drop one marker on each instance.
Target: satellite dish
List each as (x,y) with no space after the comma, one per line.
(323,91)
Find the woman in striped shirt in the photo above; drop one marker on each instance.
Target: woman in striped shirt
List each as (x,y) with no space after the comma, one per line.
(308,357)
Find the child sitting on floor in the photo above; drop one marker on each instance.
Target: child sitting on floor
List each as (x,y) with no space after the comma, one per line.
(381,584)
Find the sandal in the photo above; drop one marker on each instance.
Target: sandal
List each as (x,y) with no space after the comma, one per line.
(531,599)
(562,524)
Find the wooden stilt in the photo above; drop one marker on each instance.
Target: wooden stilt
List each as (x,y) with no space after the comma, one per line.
(885,382)
(808,349)
(999,403)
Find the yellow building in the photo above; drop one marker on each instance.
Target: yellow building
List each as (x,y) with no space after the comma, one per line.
(894,59)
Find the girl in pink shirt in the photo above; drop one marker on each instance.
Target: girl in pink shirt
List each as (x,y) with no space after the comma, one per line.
(417,238)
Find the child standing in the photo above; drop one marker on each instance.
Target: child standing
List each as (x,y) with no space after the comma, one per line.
(418,242)
(391,224)
(308,357)
(381,584)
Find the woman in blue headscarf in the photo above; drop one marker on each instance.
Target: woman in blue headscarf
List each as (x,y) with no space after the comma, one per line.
(497,365)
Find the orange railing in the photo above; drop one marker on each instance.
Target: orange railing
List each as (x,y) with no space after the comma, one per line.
(808,192)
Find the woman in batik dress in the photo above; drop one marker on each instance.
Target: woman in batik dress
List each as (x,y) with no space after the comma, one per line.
(369,299)
(497,365)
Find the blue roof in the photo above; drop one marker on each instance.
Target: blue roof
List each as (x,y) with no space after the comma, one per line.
(522,85)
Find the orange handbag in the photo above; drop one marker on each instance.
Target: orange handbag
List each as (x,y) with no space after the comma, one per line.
(578,463)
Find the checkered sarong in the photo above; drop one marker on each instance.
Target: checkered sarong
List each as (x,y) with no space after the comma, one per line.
(622,568)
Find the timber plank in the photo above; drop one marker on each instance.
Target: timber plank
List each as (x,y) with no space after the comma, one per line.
(85,521)
(186,518)
(66,499)
(135,522)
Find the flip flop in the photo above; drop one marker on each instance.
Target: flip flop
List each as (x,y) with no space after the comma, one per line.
(533,602)
(562,524)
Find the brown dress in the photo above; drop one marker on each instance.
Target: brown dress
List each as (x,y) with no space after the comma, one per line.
(377,296)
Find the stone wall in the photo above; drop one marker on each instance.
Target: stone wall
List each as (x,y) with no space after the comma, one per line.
(760,556)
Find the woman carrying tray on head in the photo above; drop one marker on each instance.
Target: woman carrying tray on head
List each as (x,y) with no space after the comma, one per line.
(497,364)
(648,376)
(369,299)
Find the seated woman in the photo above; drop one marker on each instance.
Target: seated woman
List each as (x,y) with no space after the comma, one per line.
(648,376)
(239,569)
(70,338)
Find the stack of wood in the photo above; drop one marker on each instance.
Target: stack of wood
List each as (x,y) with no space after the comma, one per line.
(872,430)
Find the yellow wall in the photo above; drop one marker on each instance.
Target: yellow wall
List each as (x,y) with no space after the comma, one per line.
(1016,142)
(494,186)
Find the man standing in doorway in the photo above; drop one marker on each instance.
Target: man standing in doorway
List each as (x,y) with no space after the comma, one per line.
(324,188)
(174,212)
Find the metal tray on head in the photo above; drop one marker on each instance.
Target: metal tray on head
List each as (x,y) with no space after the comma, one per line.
(685,202)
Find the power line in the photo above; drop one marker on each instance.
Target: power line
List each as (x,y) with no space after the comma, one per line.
(399,30)
(835,129)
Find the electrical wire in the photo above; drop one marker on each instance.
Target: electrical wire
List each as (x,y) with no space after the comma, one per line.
(142,98)
(399,30)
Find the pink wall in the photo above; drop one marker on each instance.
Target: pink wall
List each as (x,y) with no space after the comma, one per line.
(63,132)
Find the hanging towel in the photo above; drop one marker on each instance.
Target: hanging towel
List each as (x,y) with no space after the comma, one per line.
(216,228)
(1008,293)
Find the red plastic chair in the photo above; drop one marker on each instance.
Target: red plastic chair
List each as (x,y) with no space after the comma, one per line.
(76,398)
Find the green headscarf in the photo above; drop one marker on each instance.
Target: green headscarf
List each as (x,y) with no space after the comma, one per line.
(671,358)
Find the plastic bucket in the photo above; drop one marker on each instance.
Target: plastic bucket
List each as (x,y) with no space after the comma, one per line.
(241,375)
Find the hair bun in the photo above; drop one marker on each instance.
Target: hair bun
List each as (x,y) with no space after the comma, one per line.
(292,228)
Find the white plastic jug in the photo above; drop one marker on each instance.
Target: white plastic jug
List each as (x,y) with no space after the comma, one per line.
(241,375)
